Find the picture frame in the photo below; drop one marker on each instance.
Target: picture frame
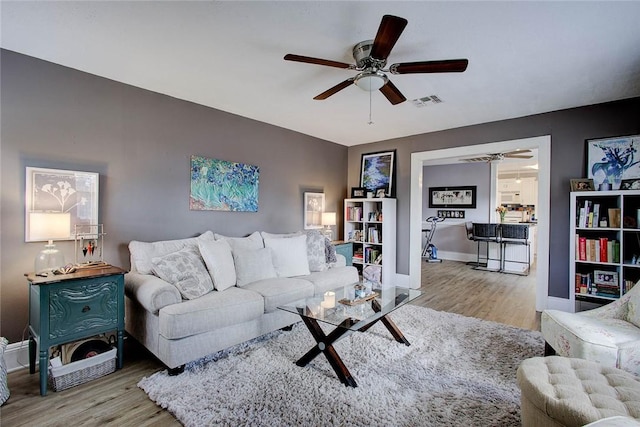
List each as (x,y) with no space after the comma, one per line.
(457,197)
(61,191)
(377,171)
(381,193)
(313,208)
(582,184)
(611,160)
(358,192)
(630,184)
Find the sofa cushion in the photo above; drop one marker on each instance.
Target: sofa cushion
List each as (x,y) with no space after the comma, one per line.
(332,278)
(219,260)
(281,291)
(143,252)
(212,311)
(251,242)
(185,270)
(252,265)
(633,308)
(289,255)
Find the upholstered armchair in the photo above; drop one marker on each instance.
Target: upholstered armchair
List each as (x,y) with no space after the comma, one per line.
(609,335)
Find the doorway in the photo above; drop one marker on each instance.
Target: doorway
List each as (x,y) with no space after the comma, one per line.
(543,146)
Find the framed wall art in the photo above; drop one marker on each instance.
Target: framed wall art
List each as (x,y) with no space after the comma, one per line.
(59,195)
(457,197)
(219,185)
(610,160)
(376,171)
(582,185)
(313,208)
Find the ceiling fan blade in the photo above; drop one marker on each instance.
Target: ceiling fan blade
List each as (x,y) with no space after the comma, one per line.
(388,34)
(445,66)
(513,156)
(392,93)
(477,159)
(317,61)
(517,152)
(337,88)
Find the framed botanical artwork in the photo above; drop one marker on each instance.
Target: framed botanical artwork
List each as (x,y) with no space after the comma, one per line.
(220,185)
(313,208)
(610,160)
(459,197)
(376,171)
(630,184)
(582,185)
(55,198)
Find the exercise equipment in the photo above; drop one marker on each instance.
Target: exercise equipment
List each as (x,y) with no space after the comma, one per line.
(430,251)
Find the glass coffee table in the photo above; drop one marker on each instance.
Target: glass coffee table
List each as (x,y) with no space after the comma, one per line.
(349,309)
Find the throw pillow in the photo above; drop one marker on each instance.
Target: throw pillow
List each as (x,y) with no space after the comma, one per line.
(253,265)
(316,250)
(633,307)
(330,251)
(184,270)
(289,255)
(143,252)
(219,260)
(251,242)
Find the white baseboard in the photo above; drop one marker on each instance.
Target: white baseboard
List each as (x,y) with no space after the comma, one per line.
(16,356)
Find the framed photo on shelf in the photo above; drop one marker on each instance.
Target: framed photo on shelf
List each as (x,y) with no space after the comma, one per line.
(376,171)
(448,197)
(630,184)
(358,192)
(611,160)
(313,208)
(381,193)
(58,198)
(582,185)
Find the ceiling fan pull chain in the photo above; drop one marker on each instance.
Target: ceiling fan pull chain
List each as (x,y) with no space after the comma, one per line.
(370,121)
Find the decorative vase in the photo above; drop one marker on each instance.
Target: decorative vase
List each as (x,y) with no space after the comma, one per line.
(502,214)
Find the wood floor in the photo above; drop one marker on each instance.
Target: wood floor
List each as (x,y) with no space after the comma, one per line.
(116,400)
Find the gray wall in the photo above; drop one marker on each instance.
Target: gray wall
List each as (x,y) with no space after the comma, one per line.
(568,129)
(450,237)
(140,142)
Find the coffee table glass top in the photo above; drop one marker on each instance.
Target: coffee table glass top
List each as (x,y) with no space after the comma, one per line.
(351,306)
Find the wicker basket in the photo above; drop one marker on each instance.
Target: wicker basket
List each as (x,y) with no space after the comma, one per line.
(76,373)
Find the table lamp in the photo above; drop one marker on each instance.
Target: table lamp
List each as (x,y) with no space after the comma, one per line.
(49,226)
(328,219)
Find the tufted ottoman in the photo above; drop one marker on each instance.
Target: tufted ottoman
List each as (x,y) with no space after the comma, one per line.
(562,391)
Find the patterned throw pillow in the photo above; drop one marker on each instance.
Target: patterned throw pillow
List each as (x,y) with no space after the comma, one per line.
(316,250)
(633,305)
(185,270)
(330,251)
(4,388)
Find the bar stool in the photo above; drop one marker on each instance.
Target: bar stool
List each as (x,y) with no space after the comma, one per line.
(515,234)
(486,233)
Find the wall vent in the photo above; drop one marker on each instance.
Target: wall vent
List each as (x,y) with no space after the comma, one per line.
(421,102)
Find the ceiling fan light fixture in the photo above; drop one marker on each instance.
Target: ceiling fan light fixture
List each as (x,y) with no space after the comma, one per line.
(370,80)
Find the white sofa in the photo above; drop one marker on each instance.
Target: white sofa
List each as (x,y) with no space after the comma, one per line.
(609,335)
(189,298)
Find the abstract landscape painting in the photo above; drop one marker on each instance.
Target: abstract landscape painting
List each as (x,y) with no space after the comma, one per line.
(219,185)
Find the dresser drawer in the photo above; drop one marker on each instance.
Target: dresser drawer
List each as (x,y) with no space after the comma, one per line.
(82,307)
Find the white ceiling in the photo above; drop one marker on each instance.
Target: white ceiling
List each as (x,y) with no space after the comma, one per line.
(524,57)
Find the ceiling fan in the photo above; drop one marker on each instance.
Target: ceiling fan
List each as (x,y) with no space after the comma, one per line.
(371,58)
(497,157)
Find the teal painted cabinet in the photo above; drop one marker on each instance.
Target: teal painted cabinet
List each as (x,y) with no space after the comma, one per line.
(68,307)
(345,249)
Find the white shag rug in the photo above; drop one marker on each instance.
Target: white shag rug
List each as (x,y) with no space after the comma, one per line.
(458,371)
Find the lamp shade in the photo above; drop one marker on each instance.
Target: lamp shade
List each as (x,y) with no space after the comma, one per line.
(49,226)
(328,218)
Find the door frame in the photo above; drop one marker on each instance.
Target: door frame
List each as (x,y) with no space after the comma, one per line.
(543,145)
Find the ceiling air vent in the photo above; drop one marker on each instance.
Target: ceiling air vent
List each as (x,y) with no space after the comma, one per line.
(421,102)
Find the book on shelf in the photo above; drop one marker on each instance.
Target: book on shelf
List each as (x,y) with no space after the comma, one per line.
(597,250)
(354,213)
